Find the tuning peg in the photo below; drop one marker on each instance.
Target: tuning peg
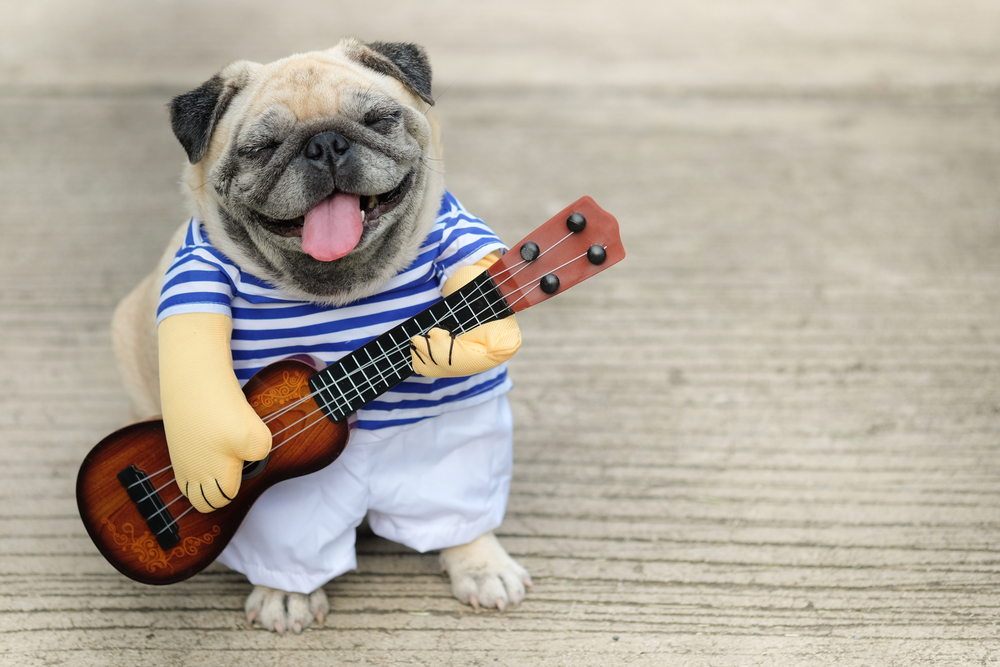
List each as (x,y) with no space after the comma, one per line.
(576,222)
(596,254)
(549,283)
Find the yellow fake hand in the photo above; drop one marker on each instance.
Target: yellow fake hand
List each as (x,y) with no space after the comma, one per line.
(211,429)
(439,354)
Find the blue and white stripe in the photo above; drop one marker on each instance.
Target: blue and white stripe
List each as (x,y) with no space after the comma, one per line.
(268,326)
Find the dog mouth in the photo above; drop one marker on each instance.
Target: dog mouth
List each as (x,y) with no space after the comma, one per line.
(372,208)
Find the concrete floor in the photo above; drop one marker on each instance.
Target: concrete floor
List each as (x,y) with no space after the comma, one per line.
(769,437)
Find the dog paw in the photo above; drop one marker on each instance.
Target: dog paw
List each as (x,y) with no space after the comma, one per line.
(483,574)
(280,610)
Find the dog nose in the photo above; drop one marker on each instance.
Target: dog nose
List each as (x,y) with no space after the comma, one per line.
(327,147)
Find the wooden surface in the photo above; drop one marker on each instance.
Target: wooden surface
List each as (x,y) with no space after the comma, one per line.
(769,437)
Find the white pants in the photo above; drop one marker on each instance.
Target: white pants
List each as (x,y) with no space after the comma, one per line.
(430,485)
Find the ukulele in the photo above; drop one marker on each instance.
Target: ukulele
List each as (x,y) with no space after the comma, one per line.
(126,492)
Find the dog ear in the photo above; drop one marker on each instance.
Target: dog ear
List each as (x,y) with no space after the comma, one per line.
(406,62)
(194,115)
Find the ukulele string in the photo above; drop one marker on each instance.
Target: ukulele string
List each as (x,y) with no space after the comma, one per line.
(479,292)
(397,366)
(524,264)
(152,493)
(273,416)
(149,477)
(174,522)
(393,368)
(520,266)
(371,384)
(164,508)
(321,419)
(404,363)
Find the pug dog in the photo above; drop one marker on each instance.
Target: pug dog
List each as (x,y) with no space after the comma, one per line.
(320,220)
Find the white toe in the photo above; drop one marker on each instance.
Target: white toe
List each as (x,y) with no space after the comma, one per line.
(279,610)
(482,573)
(319,606)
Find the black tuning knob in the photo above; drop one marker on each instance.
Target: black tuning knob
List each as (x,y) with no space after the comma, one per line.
(529,251)
(549,283)
(576,222)
(596,254)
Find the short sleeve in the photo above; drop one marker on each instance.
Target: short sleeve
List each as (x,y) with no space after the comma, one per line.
(199,280)
(464,241)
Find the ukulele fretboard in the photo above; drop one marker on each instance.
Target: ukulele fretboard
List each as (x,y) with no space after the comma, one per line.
(346,385)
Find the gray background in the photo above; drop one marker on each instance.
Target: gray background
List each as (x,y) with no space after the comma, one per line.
(769,437)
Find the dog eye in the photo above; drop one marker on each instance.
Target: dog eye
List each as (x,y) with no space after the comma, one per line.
(257,152)
(382,120)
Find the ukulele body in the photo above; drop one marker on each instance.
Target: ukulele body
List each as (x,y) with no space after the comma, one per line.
(152,541)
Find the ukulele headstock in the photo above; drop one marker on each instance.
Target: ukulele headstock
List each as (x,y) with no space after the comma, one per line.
(578,242)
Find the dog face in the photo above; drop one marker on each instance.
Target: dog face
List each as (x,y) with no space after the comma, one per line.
(319,173)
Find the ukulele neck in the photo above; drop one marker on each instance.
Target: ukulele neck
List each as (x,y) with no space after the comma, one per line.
(373,369)
(578,242)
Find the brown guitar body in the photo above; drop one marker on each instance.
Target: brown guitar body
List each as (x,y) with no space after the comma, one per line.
(114,519)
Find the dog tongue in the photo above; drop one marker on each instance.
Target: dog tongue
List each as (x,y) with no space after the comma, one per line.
(333,227)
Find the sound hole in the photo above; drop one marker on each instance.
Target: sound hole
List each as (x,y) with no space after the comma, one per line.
(253,468)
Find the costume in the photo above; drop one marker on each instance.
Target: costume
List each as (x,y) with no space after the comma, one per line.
(427,483)
(268,326)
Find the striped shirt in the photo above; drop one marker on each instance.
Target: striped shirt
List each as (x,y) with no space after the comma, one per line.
(269,326)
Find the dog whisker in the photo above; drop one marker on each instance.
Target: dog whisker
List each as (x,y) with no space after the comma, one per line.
(439,96)
(429,168)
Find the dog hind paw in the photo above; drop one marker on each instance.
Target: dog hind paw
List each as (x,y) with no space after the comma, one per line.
(483,574)
(278,610)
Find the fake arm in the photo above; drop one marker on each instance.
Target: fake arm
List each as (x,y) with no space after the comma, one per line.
(211,429)
(439,355)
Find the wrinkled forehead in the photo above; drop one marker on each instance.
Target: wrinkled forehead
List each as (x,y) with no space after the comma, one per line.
(311,87)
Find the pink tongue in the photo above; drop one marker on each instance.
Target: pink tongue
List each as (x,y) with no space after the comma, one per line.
(333,227)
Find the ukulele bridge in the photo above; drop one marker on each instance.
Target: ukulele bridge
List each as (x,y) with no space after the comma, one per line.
(158,518)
